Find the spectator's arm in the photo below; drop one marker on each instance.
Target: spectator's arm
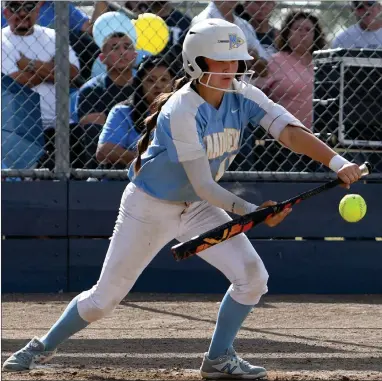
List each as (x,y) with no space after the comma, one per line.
(46,70)
(114,154)
(259,64)
(26,79)
(78,20)
(100,8)
(93,118)
(11,64)
(274,79)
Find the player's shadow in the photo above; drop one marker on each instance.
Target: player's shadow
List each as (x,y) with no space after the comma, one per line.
(244,328)
(153,346)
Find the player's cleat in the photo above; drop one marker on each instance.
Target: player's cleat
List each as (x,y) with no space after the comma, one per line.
(230,366)
(27,358)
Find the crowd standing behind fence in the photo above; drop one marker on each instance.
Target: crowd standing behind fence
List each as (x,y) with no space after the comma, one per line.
(32,147)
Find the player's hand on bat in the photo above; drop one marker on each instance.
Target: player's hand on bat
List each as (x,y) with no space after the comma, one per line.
(349,174)
(277,218)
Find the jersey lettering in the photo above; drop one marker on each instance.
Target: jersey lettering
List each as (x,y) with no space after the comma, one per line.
(220,143)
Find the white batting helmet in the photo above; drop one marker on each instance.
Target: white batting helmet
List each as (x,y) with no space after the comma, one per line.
(216,39)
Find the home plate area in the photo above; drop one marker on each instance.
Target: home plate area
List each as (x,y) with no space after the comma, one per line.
(163,337)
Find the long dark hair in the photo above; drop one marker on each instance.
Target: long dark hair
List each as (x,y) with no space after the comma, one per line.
(151,121)
(319,40)
(137,100)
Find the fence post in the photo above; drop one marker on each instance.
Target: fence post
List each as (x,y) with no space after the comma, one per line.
(62,78)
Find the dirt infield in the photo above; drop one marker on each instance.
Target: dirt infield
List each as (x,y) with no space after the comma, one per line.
(162,337)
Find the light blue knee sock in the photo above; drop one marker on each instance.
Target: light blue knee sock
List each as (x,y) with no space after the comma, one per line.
(230,318)
(67,325)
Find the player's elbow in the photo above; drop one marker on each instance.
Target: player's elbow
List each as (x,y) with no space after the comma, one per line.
(290,137)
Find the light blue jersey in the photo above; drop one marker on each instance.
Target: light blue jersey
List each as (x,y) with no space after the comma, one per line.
(188,128)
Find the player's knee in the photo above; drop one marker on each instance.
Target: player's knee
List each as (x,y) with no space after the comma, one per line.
(257,289)
(249,288)
(91,307)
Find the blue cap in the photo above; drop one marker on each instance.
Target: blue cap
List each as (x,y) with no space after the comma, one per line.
(110,23)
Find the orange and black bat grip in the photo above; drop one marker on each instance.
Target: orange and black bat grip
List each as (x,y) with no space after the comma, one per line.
(244,223)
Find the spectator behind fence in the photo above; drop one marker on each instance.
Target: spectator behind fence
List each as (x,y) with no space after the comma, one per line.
(290,71)
(78,20)
(258,14)
(100,94)
(124,125)
(225,10)
(178,24)
(367,33)
(28,52)
(21,126)
(80,30)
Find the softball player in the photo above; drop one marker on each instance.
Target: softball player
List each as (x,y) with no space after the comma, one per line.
(174,193)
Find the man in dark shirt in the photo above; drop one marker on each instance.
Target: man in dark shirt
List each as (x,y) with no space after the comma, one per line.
(258,14)
(100,94)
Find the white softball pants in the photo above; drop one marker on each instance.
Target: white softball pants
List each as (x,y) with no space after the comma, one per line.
(146,224)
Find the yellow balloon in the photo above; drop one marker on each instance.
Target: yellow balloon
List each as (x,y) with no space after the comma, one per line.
(152,33)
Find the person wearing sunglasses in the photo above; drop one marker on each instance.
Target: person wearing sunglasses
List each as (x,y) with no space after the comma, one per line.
(79,21)
(28,55)
(367,32)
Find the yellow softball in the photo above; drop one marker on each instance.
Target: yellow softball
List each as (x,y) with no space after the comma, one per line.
(352,208)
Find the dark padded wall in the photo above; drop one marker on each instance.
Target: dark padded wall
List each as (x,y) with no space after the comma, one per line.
(55,237)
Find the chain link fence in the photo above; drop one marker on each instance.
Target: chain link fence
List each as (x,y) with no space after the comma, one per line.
(78,78)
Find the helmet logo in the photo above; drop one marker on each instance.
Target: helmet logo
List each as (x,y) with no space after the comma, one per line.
(235,41)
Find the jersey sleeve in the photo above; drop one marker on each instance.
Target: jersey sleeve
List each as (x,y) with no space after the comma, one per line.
(180,132)
(269,115)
